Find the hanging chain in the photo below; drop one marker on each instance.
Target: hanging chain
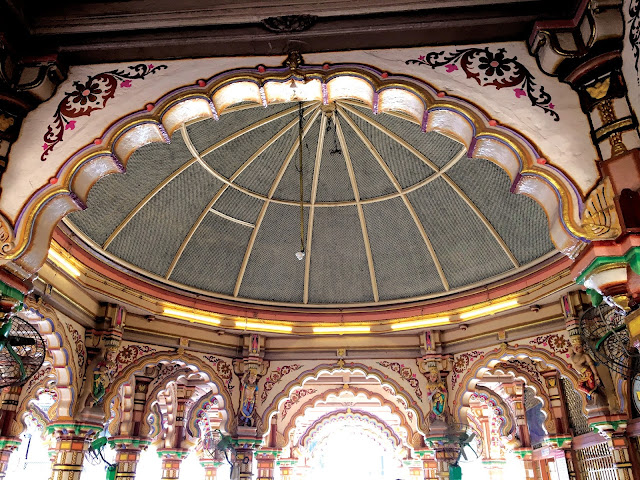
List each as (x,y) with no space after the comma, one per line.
(300,119)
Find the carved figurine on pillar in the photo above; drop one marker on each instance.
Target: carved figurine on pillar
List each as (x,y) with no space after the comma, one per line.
(103,347)
(251,369)
(589,381)
(435,367)
(436,392)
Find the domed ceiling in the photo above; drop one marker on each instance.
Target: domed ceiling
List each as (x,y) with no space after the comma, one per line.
(391,214)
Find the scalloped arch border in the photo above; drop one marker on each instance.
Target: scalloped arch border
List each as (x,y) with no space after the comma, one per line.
(508,421)
(539,389)
(491,359)
(186,359)
(298,382)
(414,99)
(64,370)
(323,396)
(361,415)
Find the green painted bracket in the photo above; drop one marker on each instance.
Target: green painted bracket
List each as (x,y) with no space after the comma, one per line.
(631,258)
(8,291)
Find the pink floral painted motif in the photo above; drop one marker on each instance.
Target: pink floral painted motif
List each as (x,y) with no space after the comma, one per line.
(295,398)
(81,352)
(406,373)
(492,68)
(461,363)
(223,369)
(275,377)
(554,342)
(130,353)
(88,97)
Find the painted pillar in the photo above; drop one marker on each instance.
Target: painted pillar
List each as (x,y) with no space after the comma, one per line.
(556,403)
(619,443)
(445,455)
(7,446)
(244,463)
(569,458)
(210,468)
(140,402)
(495,468)
(429,465)
(8,443)
(526,457)
(266,464)
(127,455)
(171,461)
(245,445)
(71,441)
(286,467)
(520,411)
(8,407)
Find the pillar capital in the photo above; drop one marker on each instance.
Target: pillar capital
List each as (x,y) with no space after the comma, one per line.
(127,455)
(74,429)
(171,461)
(129,443)
(72,440)
(178,453)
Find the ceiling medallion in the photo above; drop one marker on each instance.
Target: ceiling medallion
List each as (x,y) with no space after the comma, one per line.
(289,23)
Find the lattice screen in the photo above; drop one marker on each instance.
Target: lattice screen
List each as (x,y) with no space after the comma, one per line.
(596,463)
(577,418)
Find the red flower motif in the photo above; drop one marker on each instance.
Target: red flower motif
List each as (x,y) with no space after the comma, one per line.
(85,93)
(494,64)
(70,125)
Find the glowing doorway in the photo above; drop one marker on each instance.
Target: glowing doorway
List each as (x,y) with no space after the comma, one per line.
(346,451)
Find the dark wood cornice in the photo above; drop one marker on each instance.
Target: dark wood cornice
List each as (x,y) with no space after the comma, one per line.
(114,31)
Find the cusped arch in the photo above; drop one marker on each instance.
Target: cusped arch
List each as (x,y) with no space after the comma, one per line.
(323,396)
(359,416)
(412,98)
(275,405)
(186,359)
(495,357)
(65,376)
(504,412)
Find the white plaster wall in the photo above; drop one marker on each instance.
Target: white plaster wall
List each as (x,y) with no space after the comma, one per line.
(564,144)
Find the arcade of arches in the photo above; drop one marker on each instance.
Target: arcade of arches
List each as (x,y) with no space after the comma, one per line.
(326,255)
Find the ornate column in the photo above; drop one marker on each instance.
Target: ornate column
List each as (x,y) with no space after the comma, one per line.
(495,468)
(429,465)
(286,467)
(266,464)
(556,402)
(7,446)
(72,440)
(171,461)
(245,444)
(526,456)
(210,468)
(445,454)
(8,442)
(127,455)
